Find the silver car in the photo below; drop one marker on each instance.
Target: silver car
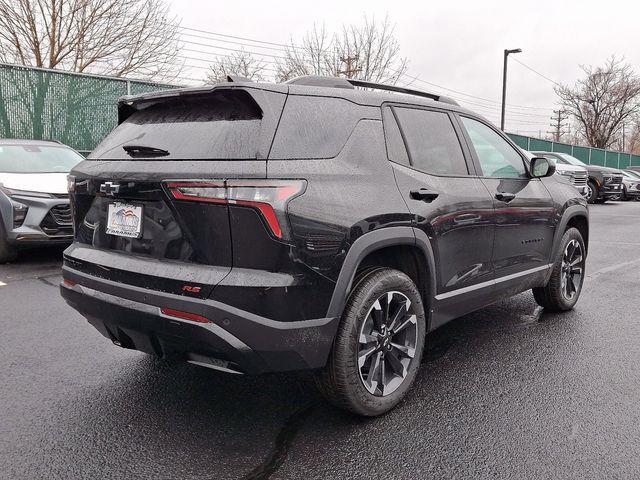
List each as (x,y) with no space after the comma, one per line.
(631,185)
(34,204)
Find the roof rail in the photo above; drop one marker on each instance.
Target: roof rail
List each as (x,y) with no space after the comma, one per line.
(408,91)
(321,81)
(341,82)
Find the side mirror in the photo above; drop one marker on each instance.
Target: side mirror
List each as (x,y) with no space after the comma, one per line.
(542,167)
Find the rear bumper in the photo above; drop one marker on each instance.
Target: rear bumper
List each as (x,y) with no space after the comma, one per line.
(235,340)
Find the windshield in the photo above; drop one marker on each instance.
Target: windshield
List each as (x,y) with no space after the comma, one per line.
(571,160)
(37,159)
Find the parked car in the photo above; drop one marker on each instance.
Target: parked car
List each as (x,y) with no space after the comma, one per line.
(571,174)
(34,203)
(604,183)
(634,168)
(254,227)
(630,185)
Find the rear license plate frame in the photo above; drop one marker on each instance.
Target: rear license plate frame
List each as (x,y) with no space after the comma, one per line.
(124,219)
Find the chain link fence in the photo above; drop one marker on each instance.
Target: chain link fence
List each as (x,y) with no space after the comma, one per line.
(77,109)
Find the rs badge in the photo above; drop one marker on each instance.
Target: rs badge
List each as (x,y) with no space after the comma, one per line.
(191,289)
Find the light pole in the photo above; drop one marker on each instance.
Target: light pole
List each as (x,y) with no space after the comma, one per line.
(504,83)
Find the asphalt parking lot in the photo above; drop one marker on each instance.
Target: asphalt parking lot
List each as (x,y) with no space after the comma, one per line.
(506,392)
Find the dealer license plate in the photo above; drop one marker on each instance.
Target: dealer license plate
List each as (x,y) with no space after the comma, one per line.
(124,220)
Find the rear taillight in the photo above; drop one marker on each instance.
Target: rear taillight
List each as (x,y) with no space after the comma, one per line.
(269,197)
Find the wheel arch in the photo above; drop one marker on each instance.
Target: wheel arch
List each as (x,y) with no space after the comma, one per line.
(574,216)
(403,248)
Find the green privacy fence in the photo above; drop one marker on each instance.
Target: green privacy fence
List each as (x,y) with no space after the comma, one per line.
(76,109)
(595,156)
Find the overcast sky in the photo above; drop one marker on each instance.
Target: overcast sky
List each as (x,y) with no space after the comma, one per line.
(458,45)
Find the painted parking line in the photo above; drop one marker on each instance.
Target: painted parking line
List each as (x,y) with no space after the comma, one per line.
(611,214)
(2,284)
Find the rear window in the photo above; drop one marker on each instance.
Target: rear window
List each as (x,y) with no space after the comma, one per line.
(222,126)
(37,159)
(315,127)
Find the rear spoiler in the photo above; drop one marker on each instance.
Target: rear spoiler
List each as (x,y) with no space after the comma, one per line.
(129,104)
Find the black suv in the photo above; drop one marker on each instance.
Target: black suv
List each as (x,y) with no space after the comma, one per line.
(604,183)
(251,227)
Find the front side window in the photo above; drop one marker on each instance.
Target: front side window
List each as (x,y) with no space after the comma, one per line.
(432,142)
(497,158)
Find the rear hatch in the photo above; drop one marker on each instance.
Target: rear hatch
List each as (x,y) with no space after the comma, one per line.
(135,221)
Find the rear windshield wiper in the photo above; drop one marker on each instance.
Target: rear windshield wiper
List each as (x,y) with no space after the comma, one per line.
(134,150)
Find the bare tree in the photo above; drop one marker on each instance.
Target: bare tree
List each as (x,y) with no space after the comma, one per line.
(111,37)
(368,51)
(315,56)
(239,63)
(632,143)
(603,101)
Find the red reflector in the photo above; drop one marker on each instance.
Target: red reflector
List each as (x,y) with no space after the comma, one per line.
(69,283)
(170,312)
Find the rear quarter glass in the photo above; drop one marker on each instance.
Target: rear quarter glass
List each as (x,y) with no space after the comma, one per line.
(317,127)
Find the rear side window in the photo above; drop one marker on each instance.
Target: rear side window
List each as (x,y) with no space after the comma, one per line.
(221,126)
(314,127)
(432,142)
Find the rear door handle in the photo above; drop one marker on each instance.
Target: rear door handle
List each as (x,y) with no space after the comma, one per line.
(505,196)
(424,194)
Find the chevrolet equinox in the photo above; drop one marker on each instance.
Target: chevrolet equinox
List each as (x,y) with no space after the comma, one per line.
(321,224)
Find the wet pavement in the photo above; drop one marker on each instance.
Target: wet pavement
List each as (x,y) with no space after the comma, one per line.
(506,392)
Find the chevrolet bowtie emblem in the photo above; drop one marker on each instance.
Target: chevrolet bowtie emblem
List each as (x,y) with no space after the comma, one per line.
(110,188)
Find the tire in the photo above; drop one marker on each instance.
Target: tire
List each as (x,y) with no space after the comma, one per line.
(7,252)
(592,194)
(557,295)
(346,381)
